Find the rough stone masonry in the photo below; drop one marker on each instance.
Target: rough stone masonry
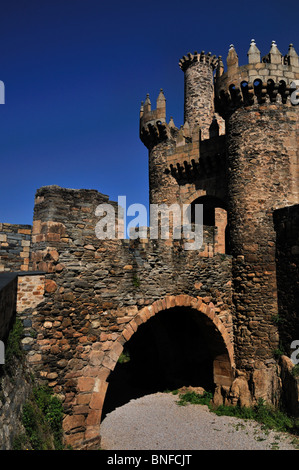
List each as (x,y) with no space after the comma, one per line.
(231,304)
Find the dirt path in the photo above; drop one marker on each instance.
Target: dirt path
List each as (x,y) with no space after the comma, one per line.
(156,422)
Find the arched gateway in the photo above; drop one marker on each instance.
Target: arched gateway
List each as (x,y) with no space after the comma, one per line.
(94,381)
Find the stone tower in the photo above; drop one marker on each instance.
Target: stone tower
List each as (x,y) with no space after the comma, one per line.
(262,176)
(237,154)
(186,164)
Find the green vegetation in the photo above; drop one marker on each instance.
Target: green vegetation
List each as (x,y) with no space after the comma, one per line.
(263,413)
(42,413)
(42,420)
(194,398)
(295,370)
(277,353)
(277,319)
(136,281)
(13,347)
(124,357)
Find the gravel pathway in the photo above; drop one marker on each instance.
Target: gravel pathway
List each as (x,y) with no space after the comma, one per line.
(156,422)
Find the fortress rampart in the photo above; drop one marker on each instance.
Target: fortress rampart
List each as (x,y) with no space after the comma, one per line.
(218,315)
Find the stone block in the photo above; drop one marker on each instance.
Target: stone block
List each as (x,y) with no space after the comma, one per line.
(73,423)
(86,384)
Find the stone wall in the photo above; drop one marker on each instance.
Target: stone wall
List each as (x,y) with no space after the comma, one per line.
(15,241)
(94,291)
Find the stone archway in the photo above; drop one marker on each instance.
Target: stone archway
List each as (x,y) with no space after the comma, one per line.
(82,428)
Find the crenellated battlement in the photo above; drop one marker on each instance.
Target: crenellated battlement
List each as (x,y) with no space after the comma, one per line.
(149,115)
(190,59)
(154,128)
(268,79)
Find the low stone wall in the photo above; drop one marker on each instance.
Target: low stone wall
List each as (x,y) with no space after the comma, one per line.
(15,242)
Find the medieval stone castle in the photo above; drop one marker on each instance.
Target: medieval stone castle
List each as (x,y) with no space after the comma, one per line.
(223,317)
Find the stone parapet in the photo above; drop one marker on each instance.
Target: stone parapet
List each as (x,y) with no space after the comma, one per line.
(268,80)
(191,59)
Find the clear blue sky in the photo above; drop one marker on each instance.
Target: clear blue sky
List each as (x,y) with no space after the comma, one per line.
(76,71)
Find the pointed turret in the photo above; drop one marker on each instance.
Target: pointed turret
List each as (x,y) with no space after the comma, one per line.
(292,56)
(161,106)
(253,54)
(232,60)
(186,129)
(220,67)
(147,105)
(171,123)
(141,110)
(275,55)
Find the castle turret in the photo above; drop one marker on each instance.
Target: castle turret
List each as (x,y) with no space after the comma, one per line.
(199,90)
(262,175)
(186,162)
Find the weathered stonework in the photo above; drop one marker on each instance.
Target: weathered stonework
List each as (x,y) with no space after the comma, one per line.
(15,241)
(237,154)
(31,289)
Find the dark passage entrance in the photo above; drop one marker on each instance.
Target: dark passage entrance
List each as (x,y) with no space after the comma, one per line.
(174,348)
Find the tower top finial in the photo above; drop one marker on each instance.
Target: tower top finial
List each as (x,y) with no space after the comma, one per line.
(232,59)
(274,54)
(253,54)
(292,56)
(161,104)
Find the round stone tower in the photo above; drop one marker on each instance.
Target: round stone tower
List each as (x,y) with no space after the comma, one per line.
(199,90)
(259,106)
(169,145)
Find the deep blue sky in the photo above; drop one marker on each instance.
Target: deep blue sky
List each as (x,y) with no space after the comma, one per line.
(76,71)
